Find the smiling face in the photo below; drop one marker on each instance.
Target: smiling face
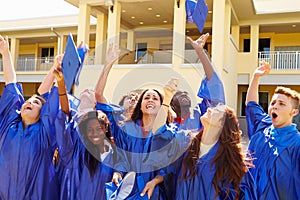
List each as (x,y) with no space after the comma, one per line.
(281,110)
(151,102)
(95,131)
(30,110)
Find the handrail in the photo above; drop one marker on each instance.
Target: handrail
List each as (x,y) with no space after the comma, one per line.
(280,60)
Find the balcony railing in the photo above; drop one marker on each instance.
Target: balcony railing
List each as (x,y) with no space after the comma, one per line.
(279,60)
(282,60)
(32,64)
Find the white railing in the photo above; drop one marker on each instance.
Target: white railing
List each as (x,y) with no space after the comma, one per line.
(282,60)
(279,60)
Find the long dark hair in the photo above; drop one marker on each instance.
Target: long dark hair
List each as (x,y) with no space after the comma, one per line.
(229,161)
(91,154)
(137,113)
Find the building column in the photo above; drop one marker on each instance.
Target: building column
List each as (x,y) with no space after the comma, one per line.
(179,26)
(100,44)
(218,34)
(227,22)
(235,32)
(254,40)
(83,23)
(114,21)
(63,42)
(14,49)
(130,40)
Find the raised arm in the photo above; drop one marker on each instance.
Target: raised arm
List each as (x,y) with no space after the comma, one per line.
(111,56)
(198,46)
(170,88)
(62,90)
(47,83)
(252,92)
(8,67)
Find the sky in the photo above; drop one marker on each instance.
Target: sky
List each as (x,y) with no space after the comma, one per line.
(276,6)
(26,9)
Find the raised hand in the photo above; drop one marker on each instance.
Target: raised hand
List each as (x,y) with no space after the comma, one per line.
(170,89)
(4,45)
(200,42)
(116,178)
(112,54)
(262,69)
(57,68)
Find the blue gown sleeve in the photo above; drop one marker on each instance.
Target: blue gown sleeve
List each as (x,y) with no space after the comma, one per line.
(296,171)
(48,115)
(11,102)
(256,118)
(167,147)
(248,187)
(113,113)
(67,139)
(212,91)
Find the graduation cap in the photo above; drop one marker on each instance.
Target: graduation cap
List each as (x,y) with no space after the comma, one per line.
(81,52)
(199,14)
(189,10)
(72,62)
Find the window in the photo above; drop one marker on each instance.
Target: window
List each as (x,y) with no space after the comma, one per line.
(141,48)
(47,53)
(263,44)
(263,101)
(246,45)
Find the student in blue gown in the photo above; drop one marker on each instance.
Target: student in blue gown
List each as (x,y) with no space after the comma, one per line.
(134,135)
(86,150)
(211,92)
(274,140)
(27,139)
(214,162)
(189,171)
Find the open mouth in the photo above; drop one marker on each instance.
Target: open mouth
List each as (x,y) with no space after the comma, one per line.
(149,106)
(28,108)
(274,115)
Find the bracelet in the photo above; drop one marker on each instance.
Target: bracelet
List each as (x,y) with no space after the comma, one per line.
(166,105)
(62,94)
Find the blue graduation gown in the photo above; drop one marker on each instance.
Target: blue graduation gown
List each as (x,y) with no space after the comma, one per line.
(74,176)
(212,93)
(26,168)
(129,138)
(201,186)
(276,153)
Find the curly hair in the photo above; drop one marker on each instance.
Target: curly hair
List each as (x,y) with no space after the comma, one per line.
(229,161)
(92,151)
